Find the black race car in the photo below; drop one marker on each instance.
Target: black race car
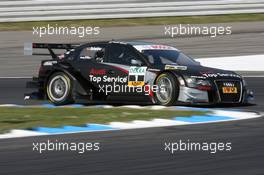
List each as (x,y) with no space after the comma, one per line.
(134,72)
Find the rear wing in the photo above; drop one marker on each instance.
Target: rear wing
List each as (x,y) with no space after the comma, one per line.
(28,48)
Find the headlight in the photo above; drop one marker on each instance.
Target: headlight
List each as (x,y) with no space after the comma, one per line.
(203,82)
(198,83)
(190,81)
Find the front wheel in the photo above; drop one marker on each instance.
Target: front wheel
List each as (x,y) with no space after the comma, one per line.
(59,89)
(168,89)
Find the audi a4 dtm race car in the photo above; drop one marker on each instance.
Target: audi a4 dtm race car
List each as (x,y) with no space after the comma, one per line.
(135,72)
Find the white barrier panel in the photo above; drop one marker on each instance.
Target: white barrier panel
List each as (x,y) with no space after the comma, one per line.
(37,10)
(235,63)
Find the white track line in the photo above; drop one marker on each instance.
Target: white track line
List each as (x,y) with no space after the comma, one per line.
(15,77)
(254,76)
(20,133)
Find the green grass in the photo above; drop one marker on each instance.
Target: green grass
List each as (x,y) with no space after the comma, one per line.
(23,118)
(136,21)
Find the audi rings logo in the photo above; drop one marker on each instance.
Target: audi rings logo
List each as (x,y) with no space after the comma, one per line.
(229,84)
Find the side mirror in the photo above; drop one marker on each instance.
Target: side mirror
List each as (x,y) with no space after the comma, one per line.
(197,62)
(136,62)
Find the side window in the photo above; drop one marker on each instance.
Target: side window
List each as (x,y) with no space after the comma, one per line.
(122,55)
(92,52)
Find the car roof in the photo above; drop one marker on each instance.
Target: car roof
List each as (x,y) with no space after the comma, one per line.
(139,45)
(134,43)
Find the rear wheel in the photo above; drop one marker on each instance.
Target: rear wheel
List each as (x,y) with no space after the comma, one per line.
(59,89)
(168,91)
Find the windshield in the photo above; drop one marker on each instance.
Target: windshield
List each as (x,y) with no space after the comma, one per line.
(159,58)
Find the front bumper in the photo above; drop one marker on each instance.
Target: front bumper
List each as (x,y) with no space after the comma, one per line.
(191,95)
(248,97)
(195,96)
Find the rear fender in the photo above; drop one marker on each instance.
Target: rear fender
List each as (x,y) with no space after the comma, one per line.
(78,87)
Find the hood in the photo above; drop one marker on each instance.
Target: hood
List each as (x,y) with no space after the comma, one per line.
(199,71)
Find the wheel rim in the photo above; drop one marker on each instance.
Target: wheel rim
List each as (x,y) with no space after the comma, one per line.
(164,93)
(58,88)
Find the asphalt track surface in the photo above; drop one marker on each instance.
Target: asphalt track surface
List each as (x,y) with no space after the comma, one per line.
(140,151)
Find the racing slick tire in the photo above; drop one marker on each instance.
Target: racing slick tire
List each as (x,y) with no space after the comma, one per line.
(59,89)
(168,90)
